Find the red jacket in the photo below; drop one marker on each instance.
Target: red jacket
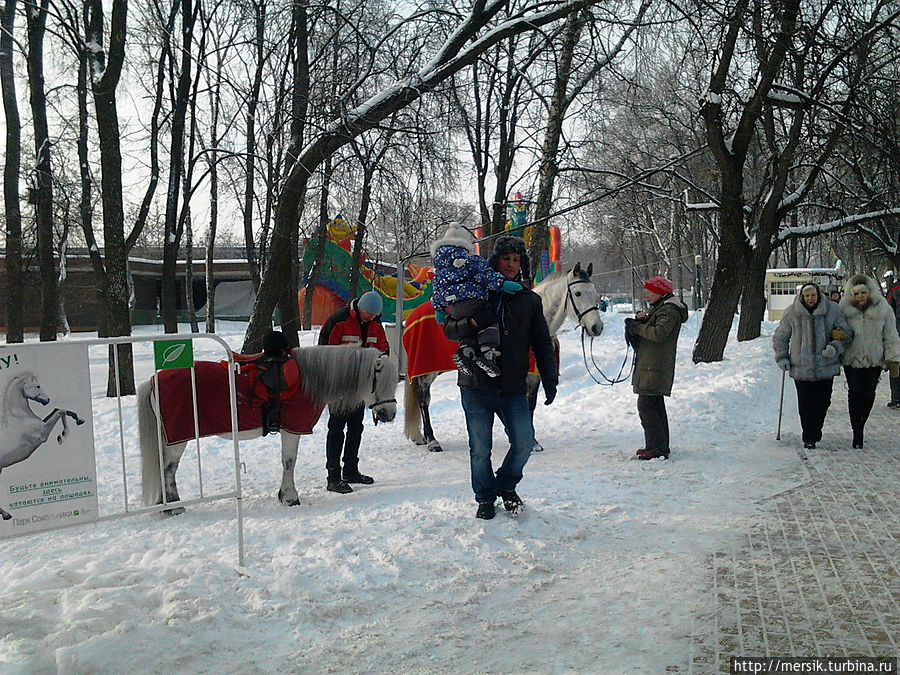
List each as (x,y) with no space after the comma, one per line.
(345,328)
(893,298)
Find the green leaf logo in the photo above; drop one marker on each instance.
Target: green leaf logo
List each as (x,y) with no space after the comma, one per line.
(171,354)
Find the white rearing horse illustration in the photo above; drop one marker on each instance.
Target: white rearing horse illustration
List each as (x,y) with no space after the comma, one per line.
(21,431)
(338,376)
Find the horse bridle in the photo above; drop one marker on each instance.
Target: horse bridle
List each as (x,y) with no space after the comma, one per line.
(605,380)
(378,402)
(571,298)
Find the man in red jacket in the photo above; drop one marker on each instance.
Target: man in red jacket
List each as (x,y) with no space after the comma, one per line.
(359,324)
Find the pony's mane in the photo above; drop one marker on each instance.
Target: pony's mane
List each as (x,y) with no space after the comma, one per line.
(556,276)
(336,375)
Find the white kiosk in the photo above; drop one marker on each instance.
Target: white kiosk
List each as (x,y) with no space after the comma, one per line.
(783,284)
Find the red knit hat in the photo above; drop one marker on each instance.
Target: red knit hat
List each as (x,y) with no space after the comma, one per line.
(659,285)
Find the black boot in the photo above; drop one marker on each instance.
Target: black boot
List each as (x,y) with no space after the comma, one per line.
(338,485)
(464,358)
(511,501)
(357,477)
(857,439)
(485,511)
(487,360)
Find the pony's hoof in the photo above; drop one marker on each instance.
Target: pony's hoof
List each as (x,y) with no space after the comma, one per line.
(6,516)
(537,447)
(434,446)
(292,501)
(60,438)
(79,422)
(177,511)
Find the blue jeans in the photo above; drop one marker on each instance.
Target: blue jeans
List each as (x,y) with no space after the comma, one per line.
(512,410)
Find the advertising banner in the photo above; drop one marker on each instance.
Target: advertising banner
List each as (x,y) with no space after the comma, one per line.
(48,476)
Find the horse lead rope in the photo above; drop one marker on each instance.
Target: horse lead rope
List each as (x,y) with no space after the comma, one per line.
(608,381)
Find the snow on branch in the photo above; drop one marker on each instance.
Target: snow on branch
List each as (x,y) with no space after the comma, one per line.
(858,220)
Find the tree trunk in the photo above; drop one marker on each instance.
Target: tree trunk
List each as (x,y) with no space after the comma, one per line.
(114,284)
(365,202)
(15,273)
(319,255)
(172,237)
(731,266)
(549,167)
(189,273)
(252,103)
(753,296)
(42,192)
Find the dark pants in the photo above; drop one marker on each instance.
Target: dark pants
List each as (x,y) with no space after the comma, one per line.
(861,383)
(895,389)
(512,409)
(652,411)
(813,399)
(335,443)
(481,312)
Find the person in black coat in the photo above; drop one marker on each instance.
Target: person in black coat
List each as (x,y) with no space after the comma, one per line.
(522,327)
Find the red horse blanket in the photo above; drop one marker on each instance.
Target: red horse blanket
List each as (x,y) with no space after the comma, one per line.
(429,351)
(298,414)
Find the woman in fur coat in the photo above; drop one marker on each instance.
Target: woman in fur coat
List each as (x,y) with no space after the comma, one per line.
(808,346)
(875,346)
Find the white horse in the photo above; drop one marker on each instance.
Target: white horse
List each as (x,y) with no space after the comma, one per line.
(338,376)
(21,431)
(572,294)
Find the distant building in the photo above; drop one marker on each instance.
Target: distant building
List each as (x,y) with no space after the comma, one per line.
(234,293)
(783,284)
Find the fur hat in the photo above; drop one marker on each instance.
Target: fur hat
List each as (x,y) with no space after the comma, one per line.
(509,243)
(370,302)
(275,343)
(456,235)
(811,285)
(659,285)
(858,280)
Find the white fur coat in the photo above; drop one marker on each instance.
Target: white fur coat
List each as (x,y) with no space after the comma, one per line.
(875,338)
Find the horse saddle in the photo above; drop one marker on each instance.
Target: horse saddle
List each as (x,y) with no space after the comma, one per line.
(273,378)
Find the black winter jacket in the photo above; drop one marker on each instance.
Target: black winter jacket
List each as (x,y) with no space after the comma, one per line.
(522,326)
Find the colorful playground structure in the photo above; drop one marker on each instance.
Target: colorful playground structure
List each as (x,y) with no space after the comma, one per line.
(333,289)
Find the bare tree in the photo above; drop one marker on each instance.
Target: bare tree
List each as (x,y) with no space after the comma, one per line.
(15,270)
(105,71)
(42,185)
(465,43)
(808,70)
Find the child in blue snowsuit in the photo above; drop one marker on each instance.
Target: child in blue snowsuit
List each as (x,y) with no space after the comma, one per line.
(462,280)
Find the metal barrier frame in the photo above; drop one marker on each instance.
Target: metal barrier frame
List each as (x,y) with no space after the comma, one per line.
(232,401)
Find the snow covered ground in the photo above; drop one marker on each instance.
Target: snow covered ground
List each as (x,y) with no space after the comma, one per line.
(605,571)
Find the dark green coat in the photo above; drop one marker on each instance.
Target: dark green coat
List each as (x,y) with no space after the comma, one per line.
(654,362)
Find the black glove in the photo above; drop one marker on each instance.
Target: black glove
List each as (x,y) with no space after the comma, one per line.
(550,393)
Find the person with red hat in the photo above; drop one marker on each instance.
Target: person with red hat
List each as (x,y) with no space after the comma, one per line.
(654,336)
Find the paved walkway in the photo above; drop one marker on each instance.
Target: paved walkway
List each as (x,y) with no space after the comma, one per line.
(817,573)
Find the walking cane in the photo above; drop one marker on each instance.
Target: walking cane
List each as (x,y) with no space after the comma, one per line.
(780,405)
